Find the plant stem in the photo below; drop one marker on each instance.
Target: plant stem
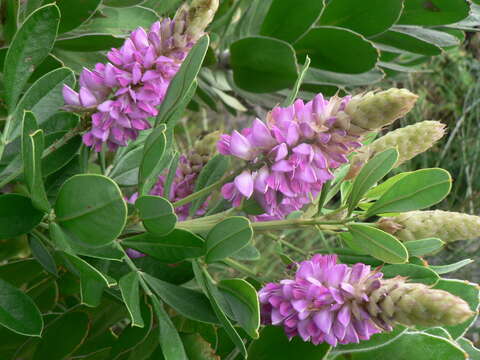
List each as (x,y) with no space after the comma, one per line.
(295,223)
(239,267)
(52,148)
(134,268)
(205,191)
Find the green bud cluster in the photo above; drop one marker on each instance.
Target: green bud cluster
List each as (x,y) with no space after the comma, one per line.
(412,304)
(446,225)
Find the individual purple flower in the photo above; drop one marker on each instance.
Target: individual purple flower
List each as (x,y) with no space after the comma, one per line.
(290,156)
(326,302)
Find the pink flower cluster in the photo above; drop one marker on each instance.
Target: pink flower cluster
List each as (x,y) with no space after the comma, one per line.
(290,156)
(123,93)
(326,302)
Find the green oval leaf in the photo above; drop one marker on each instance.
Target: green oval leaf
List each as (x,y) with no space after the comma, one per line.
(89,43)
(415,345)
(423,246)
(18,312)
(407,42)
(32,151)
(151,164)
(414,273)
(129,287)
(445,269)
(96,217)
(72,327)
(184,80)
(178,245)
(273,344)
(434,12)
(125,171)
(379,244)
(17,215)
(74,13)
(273,68)
(336,49)
(243,301)
(284,23)
(373,171)
(191,304)
(227,237)
(30,46)
(157,214)
(43,256)
(369,17)
(417,190)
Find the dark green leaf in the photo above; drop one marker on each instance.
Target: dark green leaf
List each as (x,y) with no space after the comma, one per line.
(227,237)
(122,3)
(243,302)
(74,13)
(63,336)
(172,171)
(116,21)
(435,37)
(89,43)
(415,345)
(32,150)
(468,292)
(182,83)
(434,12)
(317,76)
(381,189)
(96,217)
(273,68)
(43,256)
(417,190)
(129,287)
(125,171)
(414,273)
(17,215)
(157,214)
(368,17)
(174,247)
(337,49)
(273,344)
(467,346)
(151,164)
(286,23)
(215,298)
(43,98)
(423,246)
(189,303)
(61,156)
(211,172)
(379,244)
(373,171)
(445,269)
(198,348)
(170,342)
(31,45)
(402,41)
(247,253)
(179,273)
(92,281)
(18,312)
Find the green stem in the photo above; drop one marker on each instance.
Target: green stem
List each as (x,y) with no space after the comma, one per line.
(205,191)
(205,223)
(323,196)
(293,247)
(295,223)
(52,148)
(134,268)
(240,267)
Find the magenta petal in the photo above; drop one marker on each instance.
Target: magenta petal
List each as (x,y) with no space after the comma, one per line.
(261,135)
(87,98)
(244,183)
(70,96)
(324,320)
(240,146)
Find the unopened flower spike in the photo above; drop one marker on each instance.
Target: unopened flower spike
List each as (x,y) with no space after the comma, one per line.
(409,141)
(340,304)
(292,154)
(446,225)
(125,92)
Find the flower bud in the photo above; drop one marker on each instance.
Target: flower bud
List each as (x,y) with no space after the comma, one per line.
(446,225)
(373,111)
(207,145)
(198,14)
(409,141)
(414,304)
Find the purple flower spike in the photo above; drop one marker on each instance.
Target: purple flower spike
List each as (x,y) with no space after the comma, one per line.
(326,302)
(124,93)
(299,146)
